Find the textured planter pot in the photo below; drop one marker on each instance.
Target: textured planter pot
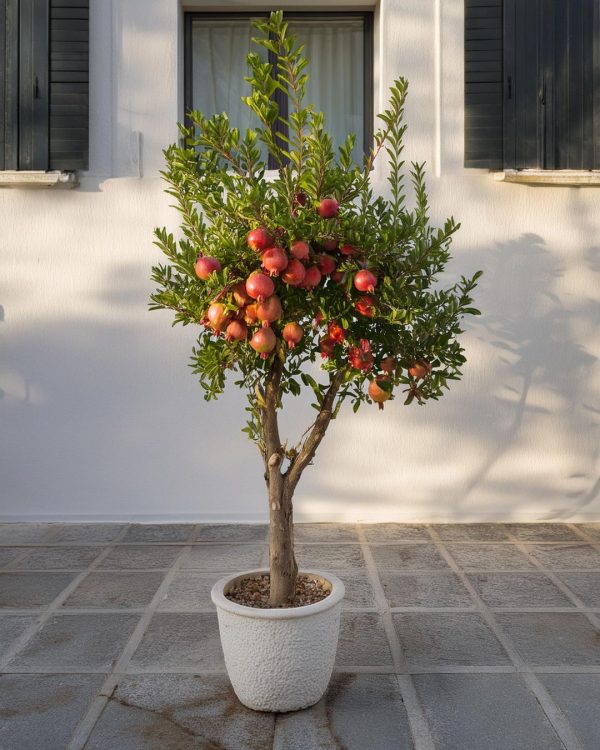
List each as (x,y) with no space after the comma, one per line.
(279,659)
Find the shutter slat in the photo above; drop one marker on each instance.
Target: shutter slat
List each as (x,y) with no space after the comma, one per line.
(69,84)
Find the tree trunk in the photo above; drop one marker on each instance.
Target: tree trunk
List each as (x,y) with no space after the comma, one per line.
(282,561)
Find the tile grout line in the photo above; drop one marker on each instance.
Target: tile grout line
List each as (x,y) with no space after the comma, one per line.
(414,713)
(563,587)
(55,605)
(557,719)
(87,723)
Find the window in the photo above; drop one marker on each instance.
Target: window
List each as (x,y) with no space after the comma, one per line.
(44,84)
(532,84)
(338,46)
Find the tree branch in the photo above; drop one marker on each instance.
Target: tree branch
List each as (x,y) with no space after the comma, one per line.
(317,433)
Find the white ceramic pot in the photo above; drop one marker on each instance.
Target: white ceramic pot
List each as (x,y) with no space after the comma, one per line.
(279,659)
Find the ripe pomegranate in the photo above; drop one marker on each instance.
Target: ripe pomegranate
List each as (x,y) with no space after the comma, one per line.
(328,208)
(250,315)
(337,277)
(365,281)
(365,306)
(326,346)
(361,357)
(263,342)
(217,316)
(292,333)
(388,365)
(312,277)
(205,266)
(336,332)
(419,369)
(294,274)
(299,249)
(330,245)
(269,311)
(274,260)
(236,330)
(326,264)
(240,295)
(259,239)
(348,250)
(377,393)
(259,286)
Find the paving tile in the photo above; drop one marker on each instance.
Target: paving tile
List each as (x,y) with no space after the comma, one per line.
(84,533)
(11,629)
(453,639)
(325,532)
(189,591)
(9,554)
(57,558)
(425,590)
(358,712)
(362,641)
(90,641)
(542,532)
(228,557)
(585,585)
(359,592)
(32,589)
(408,557)
(158,532)
(329,556)
(176,641)
(552,638)
(26,533)
(42,711)
(179,712)
(578,697)
(591,529)
(158,556)
(518,590)
(484,712)
(565,556)
(477,532)
(488,557)
(232,532)
(395,532)
(114,590)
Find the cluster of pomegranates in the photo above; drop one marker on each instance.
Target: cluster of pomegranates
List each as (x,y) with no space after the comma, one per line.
(258,306)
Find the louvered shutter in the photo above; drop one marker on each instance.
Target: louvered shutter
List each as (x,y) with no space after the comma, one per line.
(483,84)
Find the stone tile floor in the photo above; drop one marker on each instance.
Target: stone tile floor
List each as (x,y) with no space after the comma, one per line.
(454,637)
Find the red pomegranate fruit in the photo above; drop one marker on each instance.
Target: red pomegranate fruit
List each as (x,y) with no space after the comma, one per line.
(330,245)
(205,266)
(299,249)
(274,260)
(326,346)
(292,334)
(348,250)
(336,332)
(365,281)
(250,315)
(259,239)
(269,310)
(328,208)
(294,274)
(259,286)
(217,316)
(361,357)
(388,365)
(365,306)
(326,264)
(263,342)
(419,369)
(312,277)
(237,330)
(337,277)
(240,295)
(378,393)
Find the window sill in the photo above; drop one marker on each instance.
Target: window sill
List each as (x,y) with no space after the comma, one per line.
(36,180)
(566,177)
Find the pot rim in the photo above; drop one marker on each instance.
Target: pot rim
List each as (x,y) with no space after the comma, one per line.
(270,613)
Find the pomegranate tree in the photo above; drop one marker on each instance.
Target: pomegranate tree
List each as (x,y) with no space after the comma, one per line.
(304,278)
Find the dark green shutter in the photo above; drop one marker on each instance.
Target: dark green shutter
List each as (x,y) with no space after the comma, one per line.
(69,84)
(44,84)
(483,84)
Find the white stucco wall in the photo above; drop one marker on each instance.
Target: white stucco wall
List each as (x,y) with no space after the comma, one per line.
(100,417)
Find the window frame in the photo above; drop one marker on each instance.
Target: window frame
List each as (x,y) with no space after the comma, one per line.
(367,17)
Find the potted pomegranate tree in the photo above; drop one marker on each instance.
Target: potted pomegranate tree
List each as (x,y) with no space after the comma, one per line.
(301,279)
